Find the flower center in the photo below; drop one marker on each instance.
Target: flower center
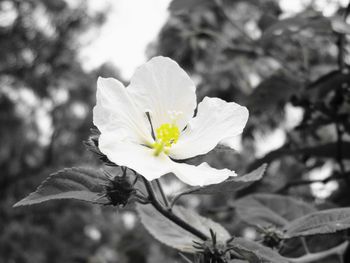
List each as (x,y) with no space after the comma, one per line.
(166,135)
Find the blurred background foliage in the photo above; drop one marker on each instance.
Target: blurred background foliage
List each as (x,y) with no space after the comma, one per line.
(291,72)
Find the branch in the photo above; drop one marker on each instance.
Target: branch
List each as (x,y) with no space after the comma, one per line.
(333,177)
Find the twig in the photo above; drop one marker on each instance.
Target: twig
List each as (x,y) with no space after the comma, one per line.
(174,200)
(186,192)
(306,182)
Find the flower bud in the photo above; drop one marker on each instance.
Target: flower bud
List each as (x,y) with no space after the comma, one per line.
(118,190)
(211,251)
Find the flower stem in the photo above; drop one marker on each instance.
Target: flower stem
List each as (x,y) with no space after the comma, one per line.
(165,199)
(171,216)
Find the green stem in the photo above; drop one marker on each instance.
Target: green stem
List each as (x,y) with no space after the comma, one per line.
(168,214)
(165,199)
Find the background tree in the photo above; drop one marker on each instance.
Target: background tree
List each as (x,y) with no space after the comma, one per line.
(244,51)
(254,53)
(250,51)
(46,99)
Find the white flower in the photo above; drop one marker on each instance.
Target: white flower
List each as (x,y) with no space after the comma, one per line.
(162,91)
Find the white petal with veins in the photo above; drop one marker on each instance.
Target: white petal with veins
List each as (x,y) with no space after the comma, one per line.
(216,120)
(143,161)
(161,86)
(116,112)
(134,156)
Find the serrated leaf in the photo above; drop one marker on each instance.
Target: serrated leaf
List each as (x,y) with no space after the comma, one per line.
(321,222)
(70,183)
(256,253)
(270,209)
(173,235)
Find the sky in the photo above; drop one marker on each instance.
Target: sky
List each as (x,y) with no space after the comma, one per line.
(131,25)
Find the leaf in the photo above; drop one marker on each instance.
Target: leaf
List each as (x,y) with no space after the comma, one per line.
(187,5)
(254,252)
(227,187)
(270,209)
(273,91)
(321,222)
(70,183)
(317,23)
(173,235)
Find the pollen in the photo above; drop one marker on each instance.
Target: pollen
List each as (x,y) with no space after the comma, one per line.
(166,135)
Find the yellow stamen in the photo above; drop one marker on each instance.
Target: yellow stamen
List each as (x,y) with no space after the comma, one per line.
(166,135)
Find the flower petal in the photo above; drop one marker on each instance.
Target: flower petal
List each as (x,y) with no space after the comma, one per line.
(137,157)
(200,175)
(115,111)
(142,159)
(216,120)
(161,86)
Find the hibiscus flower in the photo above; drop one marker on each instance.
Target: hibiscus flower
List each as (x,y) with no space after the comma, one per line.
(150,125)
